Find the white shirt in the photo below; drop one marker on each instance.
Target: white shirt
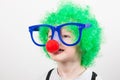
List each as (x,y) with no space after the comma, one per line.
(87,75)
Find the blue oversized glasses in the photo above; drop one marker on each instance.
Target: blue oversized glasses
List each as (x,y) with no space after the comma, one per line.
(64,32)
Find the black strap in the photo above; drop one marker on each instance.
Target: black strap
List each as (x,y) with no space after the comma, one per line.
(48,75)
(94,75)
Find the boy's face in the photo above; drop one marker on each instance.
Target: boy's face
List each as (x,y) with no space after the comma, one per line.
(65,53)
(67,36)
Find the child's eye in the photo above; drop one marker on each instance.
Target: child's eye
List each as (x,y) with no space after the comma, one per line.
(49,36)
(66,36)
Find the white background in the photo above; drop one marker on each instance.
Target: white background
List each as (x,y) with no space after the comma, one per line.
(20,59)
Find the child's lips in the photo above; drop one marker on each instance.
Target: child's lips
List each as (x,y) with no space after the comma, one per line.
(60,51)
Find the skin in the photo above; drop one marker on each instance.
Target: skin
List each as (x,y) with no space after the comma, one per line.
(68,60)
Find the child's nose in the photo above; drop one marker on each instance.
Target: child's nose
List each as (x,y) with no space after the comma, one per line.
(56,37)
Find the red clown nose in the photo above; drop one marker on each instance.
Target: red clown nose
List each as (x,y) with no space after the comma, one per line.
(52,46)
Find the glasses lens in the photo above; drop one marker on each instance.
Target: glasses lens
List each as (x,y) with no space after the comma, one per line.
(70,34)
(41,36)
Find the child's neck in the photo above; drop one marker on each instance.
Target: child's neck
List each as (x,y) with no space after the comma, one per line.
(70,70)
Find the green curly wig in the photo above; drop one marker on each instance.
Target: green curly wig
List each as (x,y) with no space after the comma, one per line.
(89,45)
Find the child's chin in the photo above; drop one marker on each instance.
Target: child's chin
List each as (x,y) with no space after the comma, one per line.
(59,60)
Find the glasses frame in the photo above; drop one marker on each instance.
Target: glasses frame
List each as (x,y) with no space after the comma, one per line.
(58,28)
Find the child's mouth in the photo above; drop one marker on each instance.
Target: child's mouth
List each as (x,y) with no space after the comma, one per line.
(60,51)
